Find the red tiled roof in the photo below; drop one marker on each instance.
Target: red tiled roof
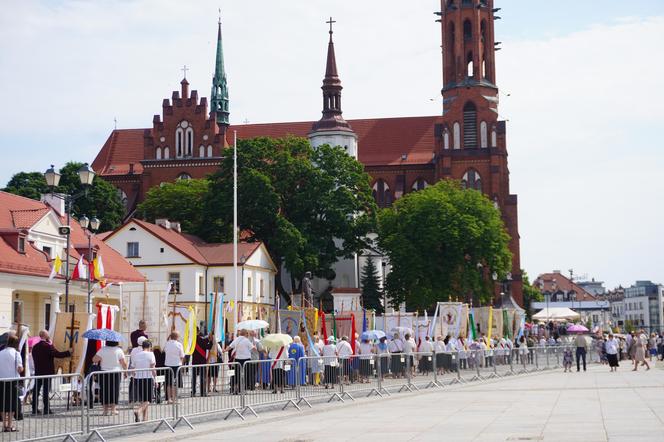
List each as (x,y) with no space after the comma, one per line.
(382,141)
(195,248)
(545,282)
(34,262)
(123,146)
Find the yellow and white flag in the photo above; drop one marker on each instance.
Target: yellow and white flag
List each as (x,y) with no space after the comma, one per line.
(57,265)
(98,268)
(190,333)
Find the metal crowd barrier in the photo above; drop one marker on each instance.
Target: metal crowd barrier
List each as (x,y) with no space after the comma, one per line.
(207,389)
(171,397)
(55,400)
(112,400)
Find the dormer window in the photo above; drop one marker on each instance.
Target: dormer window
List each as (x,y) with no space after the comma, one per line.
(21,244)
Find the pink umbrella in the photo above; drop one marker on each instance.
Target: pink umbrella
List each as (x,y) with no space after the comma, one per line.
(33,340)
(577,328)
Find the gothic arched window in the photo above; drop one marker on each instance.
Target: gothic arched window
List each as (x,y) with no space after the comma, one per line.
(167,153)
(483,135)
(467,30)
(201,151)
(184,176)
(158,153)
(189,147)
(494,139)
(382,194)
(446,139)
(456,135)
(469,125)
(209,151)
(420,184)
(179,142)
(471,180)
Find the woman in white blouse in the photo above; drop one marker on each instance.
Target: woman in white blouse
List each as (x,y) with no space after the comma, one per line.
(174,352)
(11,367)
(111,360)
(144,362)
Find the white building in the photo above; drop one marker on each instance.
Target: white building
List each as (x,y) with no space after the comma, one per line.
(195,268)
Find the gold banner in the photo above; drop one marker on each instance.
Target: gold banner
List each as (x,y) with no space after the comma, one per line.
(67,332)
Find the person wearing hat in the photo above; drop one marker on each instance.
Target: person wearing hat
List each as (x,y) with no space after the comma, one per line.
(132,355)
(330,354)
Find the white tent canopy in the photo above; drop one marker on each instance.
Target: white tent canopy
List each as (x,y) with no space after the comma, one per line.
(556,314)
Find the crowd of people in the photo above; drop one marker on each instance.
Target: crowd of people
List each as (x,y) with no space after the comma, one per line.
(329,363)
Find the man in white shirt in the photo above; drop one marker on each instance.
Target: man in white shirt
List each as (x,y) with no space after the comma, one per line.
(241,349)
(345,351)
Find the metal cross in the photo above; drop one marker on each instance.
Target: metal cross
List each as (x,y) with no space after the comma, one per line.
(330,22)
(219,15)
(184,69)
(115,122)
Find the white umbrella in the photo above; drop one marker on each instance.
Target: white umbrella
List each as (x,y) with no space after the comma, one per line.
(252,324)
(556,314)
(402,331)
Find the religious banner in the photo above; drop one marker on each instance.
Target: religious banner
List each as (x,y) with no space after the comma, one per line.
(390,321)
(177,318)
(422,327)
(449,319)
(68,334)
(290,322)
(463,326)
(344,325)
(497,323)
(146,301)
(482,320)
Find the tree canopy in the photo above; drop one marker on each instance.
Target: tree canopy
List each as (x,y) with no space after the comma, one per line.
(443,242)
(181,201)
(100,200)
(309,206)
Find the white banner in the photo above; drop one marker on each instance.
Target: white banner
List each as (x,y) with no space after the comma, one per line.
(147,301)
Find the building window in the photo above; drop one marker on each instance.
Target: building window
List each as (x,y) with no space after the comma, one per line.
(189,147)
(167,154)
(174,279)
(158,153)
(483,135)
(420,184)
(201,285)
(261,289)
(179,134)
(456,135)
(218,284)
(249,290)
(446,139)
(467,30)
(184,176)
(17,311)
(132,250)
(21,244)
(381,193)
(47,316)
(201,151)
(469,125)
(209,151)
(472,180)
(48,251)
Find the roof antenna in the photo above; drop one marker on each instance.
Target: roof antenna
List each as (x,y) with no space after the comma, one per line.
(115,123)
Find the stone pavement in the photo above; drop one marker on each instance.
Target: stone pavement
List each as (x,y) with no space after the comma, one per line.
(550,406)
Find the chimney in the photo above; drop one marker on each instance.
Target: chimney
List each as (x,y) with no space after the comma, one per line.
(176,227)
(163,222)
(56,201)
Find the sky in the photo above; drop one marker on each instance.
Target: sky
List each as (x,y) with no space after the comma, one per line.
(580,88)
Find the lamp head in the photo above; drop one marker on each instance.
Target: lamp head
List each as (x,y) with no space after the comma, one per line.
(52,177)
(86,174)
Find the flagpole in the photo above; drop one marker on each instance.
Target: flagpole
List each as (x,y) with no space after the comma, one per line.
(235,215)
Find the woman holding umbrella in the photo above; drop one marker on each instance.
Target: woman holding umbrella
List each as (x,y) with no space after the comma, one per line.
(111,360)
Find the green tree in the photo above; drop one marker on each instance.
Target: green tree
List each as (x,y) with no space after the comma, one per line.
(371,290)
(100,200)
(181,201)
(443,241)
(28,184)
(310,207)
(530,294)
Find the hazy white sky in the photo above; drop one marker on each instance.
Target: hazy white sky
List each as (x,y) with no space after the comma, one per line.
(580,87)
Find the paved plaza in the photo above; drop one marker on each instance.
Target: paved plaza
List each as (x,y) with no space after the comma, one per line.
(550,406)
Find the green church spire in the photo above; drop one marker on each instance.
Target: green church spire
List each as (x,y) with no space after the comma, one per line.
(219,95)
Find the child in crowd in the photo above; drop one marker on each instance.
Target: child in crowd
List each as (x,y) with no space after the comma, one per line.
(567,360)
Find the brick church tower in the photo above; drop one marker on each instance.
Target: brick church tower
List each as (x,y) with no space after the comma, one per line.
(472,139)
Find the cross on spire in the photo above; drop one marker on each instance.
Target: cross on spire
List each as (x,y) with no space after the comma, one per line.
(219,16)
(185,69)
(330,22)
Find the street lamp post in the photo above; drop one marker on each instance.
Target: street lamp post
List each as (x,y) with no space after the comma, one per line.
(86,175)
(383,264)
(91,225)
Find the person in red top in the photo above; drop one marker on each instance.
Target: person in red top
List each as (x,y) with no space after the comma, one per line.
(43,354)
(199,357)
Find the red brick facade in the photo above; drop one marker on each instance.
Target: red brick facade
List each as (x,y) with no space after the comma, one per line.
(466,143)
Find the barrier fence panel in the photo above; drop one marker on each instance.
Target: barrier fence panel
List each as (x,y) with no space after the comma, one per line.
(446,368)
(321,379)
(359,373)
(423,374)
(393,372)
(124,398)
(503,361)
(269,382)
(55,400)
(206,389)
